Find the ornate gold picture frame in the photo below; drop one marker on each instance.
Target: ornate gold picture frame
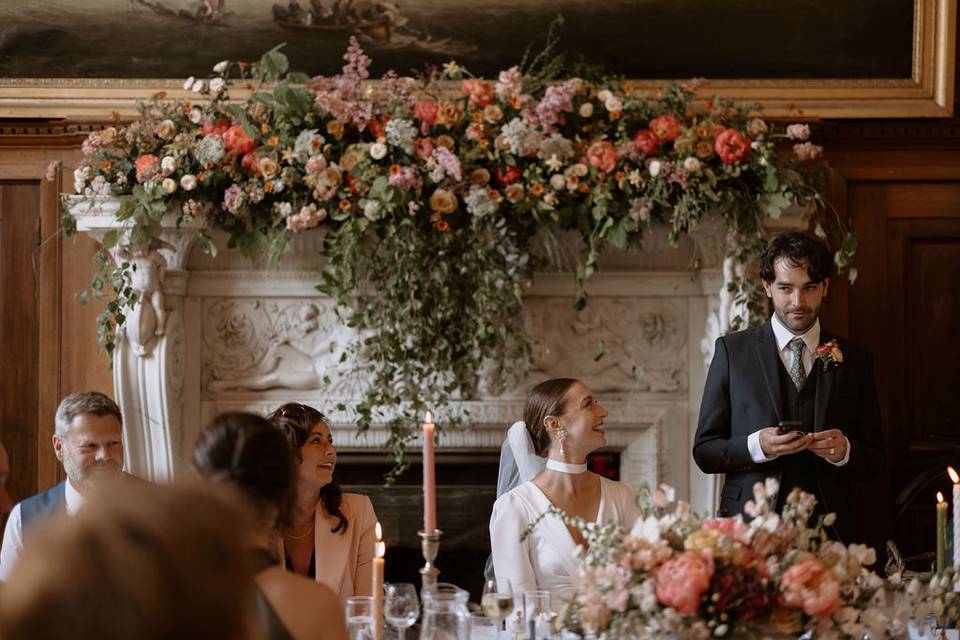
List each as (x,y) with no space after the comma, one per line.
(926,90)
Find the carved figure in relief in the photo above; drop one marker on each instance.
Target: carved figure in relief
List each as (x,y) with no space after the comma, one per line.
(299,355)
(149,316)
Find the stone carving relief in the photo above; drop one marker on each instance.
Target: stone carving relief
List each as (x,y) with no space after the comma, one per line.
(255,345)
(643,343)
(148,319)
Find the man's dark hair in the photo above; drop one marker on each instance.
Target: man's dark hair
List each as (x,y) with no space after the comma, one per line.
(799,250)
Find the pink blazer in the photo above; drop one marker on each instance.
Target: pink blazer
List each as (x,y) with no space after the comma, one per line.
(344,560)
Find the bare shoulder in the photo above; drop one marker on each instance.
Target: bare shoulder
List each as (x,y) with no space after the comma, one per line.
(306,608)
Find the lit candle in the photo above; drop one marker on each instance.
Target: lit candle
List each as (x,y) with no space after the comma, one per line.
(956,515)
(379,550)
(429,477)
(941,533)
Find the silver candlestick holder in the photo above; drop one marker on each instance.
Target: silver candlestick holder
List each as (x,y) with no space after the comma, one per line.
(430,544)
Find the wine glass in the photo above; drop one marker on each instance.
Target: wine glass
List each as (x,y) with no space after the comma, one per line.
(401,608)
(497,598)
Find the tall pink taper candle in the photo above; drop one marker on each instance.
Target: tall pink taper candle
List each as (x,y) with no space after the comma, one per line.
(379,549)
(941,533)
(429,477)
(955,479)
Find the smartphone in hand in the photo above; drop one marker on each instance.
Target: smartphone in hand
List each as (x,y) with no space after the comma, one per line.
(786,426)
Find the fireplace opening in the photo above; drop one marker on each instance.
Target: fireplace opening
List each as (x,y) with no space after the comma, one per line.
(466,491)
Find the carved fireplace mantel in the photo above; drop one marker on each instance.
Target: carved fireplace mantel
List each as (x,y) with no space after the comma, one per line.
(215,334)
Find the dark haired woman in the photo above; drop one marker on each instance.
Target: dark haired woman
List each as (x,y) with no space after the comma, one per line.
(565,424)
(339,525)
(245,451)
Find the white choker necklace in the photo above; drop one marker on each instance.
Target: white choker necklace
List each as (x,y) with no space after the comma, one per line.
(563,467)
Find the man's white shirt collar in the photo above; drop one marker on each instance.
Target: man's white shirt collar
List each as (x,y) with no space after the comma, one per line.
(811,337)
(73,497)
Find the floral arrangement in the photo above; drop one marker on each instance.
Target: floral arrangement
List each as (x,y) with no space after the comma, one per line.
(430,191)
(829,355)
(675,574)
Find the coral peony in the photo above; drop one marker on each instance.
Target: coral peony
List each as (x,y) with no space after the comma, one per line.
(732,146)
(603,156)
(681,581)
(646,141)
(147,166)
(666,127)
(237,140)
(810,586)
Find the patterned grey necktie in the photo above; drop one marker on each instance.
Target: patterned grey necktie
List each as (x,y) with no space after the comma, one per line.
(797,374)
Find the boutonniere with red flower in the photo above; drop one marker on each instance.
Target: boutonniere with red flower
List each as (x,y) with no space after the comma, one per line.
(830,355)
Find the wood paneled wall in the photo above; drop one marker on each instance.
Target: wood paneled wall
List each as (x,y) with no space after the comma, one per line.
(48,345)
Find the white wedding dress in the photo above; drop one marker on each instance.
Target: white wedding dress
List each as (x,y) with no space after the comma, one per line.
(547,559)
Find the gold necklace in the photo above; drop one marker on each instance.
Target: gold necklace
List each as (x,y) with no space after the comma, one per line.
(301,536)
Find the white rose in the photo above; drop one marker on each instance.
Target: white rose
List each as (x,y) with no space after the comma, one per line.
(221,66)
(79,180)
(579,170)
(216,85)
(604,95)
(197,86)
(196,115)
(188,182)
(169,185)
(378,150)
(188,83)
(692,165)
(613,105)
(654,168)
(586,110)
(557,181)
(168,164)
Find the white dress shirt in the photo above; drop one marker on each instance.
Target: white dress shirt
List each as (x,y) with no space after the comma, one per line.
(811,340)
(13,534)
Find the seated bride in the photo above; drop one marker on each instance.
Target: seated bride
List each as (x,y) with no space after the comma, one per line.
(564,422)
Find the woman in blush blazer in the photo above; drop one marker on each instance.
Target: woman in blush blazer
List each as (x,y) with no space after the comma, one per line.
(330,535)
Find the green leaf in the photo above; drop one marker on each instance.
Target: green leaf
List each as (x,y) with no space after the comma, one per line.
(110,239)
(275,63)
(773,204)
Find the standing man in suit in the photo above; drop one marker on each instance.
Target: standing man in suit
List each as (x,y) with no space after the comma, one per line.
(787,370)
(88,442)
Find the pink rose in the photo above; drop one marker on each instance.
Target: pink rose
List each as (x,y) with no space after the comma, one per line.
(237,140)
(603,156)
(646,141)
(682,581)
(426,112)
(666,127)
(147,166)
(808,585)
(731,146)
(251,163)
(798,131)
(807,151)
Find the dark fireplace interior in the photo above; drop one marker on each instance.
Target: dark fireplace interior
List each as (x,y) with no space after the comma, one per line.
(466,491)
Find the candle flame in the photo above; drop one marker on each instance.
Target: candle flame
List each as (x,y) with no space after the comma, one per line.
(939,497)
(379,531)
(428,418)
(954,478)
(380,549)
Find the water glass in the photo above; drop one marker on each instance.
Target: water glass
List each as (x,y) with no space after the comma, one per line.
(360,618)
(538,615)
(401,608)
(483,627)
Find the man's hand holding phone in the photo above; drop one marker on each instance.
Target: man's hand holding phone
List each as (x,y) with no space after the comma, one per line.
(787,438)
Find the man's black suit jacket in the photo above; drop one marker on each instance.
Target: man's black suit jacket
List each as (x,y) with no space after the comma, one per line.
(743,394)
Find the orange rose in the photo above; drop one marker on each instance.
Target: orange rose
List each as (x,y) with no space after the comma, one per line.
(443,201)
(665,127)
(732,146)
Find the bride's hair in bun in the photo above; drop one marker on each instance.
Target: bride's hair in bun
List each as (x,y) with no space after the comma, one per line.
(246,450)
(545,399)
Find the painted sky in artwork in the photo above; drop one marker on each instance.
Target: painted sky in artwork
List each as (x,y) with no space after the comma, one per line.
(638,38)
